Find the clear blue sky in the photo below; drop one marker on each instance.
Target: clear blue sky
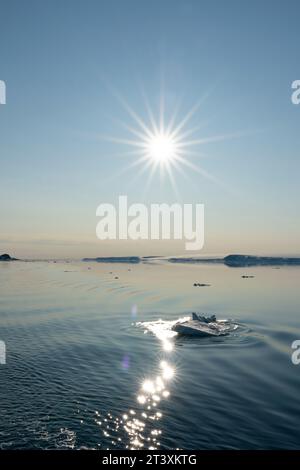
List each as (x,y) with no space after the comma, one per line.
(61,61)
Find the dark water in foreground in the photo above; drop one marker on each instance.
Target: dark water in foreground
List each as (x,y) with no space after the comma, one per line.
(81,374)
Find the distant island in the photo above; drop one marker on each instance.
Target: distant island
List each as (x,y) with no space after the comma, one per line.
(6,257)
(247,260)
(241,261)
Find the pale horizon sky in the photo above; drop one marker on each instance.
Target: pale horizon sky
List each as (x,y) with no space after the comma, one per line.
(64,62)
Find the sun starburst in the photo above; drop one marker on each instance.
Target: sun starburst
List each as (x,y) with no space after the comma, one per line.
(161,147)
(166,146)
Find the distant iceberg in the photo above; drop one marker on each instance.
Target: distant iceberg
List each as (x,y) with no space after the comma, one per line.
(115,259)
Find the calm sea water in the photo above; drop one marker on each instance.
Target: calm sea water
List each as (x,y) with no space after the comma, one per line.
(81,373)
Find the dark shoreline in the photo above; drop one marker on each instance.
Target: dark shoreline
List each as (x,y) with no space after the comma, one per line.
(233,261)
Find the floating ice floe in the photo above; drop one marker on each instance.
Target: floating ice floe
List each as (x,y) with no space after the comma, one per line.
(199,325)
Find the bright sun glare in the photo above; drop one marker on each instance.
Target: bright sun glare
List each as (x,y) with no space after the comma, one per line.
(161,147)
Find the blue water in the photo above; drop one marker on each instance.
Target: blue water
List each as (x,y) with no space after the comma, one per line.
(80,372)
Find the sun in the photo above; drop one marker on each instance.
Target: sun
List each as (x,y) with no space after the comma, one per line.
(161,148)
(165,145)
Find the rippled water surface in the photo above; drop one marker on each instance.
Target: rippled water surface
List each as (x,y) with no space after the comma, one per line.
(92,362)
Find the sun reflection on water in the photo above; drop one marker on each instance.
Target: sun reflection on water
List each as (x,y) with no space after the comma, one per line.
(139,428)
(140,431)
